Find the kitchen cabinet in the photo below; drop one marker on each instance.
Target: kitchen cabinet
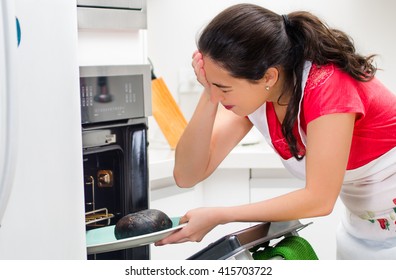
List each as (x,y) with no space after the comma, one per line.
(174,201)
(223,188)
(41,205)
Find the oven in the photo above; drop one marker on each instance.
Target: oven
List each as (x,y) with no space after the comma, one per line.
(115,104)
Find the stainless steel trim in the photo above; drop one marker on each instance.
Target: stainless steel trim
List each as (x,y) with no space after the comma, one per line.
(112,14)
(128,4)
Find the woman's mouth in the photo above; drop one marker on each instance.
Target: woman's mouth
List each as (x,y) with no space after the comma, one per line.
(228,107)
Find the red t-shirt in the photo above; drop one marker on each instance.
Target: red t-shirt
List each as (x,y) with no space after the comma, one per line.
(329,90)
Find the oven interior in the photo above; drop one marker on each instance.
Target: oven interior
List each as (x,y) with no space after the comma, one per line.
(115,179)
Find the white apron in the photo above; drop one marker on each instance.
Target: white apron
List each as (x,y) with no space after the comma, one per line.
(368,228)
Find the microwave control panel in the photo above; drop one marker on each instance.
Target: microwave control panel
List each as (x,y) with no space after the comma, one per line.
(115,96)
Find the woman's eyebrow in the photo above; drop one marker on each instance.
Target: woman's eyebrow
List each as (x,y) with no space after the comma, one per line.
(221,86)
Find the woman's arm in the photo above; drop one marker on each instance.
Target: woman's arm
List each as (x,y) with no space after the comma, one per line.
(209,136)
(328,144)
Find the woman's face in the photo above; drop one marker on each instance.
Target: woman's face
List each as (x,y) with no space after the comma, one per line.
(237,95)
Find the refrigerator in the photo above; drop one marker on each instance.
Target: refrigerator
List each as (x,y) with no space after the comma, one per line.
(41,169)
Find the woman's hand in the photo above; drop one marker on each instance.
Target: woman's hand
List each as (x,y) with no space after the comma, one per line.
(198,64)
(199,222)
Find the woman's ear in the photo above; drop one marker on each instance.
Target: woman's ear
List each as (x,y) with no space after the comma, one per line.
(271,76)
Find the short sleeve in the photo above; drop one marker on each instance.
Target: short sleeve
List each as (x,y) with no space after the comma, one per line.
(329,90)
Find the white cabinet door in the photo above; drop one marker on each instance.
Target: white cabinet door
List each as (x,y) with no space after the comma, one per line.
(225,187)
(8,97)
(320,234)
(47,184)
(175,202)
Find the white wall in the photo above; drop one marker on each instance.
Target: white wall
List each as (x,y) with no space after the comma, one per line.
(174,24)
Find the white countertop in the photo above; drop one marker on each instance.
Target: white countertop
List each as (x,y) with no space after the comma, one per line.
(260,155)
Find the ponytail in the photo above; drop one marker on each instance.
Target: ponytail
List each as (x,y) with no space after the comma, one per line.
(325,45)
(312,40)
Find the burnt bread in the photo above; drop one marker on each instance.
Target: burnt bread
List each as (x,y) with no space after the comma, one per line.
(142,222)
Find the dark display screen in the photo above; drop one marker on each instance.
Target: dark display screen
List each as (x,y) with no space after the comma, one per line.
(111,98)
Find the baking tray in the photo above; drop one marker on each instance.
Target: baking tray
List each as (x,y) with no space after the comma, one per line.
(237,242)
(102,240)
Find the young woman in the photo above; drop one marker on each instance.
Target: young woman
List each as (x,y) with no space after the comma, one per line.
(317,103)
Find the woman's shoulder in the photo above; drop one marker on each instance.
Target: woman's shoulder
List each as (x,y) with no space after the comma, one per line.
(318,75)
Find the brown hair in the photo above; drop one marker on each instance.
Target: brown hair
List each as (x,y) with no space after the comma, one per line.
(247,39)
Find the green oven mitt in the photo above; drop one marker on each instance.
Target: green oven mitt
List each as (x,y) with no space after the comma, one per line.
(289,248)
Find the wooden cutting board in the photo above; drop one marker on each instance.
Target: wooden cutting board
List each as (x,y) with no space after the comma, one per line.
(166,112)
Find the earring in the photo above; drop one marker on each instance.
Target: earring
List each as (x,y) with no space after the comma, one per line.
(267,88)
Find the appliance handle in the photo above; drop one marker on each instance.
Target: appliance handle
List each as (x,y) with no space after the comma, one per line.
(8,97)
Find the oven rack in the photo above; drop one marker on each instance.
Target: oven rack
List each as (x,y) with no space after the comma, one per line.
(98,215)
